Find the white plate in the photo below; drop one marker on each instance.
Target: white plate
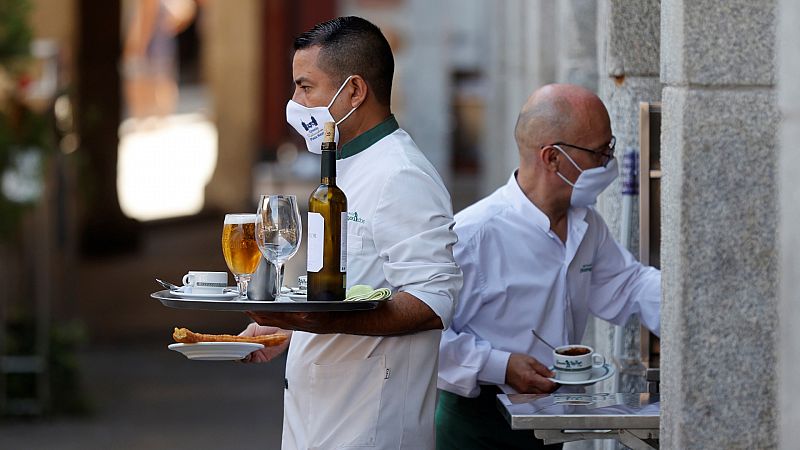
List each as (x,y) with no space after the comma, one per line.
(216,351)
(297,297)
(598,374)
(204,296)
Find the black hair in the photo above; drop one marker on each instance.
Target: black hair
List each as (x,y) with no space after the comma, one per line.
(353,46)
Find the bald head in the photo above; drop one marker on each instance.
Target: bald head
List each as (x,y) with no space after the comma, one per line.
(559,113)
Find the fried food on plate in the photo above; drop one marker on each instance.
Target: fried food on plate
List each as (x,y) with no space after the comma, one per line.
(186,336)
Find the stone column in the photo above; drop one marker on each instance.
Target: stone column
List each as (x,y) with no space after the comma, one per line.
(426,82)
(520,62)
(789,243)
(577,50)
(232,54)
(719,205)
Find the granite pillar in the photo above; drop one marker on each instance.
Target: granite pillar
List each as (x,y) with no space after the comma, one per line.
(719,209)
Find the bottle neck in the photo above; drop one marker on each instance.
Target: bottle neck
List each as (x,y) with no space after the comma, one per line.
(328,166)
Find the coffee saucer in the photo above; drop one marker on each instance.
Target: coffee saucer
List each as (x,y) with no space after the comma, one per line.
(297,296)
(598,374)
(198,296)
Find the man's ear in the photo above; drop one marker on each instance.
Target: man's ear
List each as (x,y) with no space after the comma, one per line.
(360,91)
(549,157)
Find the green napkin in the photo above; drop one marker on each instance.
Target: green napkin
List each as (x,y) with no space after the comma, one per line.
(364,293)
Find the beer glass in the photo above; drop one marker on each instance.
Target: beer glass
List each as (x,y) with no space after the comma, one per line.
(278,231)
(239,247)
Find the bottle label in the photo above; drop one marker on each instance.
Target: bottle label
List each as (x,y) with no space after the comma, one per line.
(316,241)
(343,249)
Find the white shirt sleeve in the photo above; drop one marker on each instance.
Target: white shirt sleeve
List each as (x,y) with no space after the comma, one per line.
(621,286)
(413,234)
(465,358)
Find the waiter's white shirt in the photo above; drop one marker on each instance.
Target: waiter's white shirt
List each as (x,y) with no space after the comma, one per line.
(349,391)
(519,275)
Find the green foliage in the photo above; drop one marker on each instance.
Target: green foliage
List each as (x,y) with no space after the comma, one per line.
(15,34)
(22,130)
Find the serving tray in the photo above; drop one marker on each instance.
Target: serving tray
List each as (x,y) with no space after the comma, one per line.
(172,301)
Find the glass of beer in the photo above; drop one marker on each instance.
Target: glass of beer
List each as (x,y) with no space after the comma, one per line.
(240,248)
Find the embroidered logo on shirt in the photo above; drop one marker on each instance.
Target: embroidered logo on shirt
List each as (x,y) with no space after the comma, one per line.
(353,217)
(586,268)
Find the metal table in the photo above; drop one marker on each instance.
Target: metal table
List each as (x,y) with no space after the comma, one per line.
(632,419)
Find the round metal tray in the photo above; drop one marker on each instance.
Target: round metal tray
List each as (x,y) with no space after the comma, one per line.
(170,300)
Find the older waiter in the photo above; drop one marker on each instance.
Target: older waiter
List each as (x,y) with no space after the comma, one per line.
(368,378)
(536,255)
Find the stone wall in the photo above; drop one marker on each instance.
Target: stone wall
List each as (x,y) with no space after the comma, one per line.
(719,198)
(628,60)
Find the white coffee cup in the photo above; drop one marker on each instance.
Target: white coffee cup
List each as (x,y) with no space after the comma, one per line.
(201,282)
(575,362)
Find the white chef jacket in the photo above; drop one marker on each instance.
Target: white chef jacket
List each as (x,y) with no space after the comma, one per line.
(349,391)
(519,275)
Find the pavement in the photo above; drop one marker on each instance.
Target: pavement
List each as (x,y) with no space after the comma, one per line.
(143,395)
(151,398)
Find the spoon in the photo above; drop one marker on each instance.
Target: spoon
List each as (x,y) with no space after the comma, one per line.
(542,339)
(167,285)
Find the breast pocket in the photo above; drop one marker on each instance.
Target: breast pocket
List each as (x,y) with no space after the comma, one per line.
(353,244)
(348,399)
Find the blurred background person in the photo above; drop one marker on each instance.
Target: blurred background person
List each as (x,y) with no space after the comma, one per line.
(150,64)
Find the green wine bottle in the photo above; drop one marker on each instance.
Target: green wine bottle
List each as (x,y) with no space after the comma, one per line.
(327,229)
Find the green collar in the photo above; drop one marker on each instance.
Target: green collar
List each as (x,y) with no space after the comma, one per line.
(365,140)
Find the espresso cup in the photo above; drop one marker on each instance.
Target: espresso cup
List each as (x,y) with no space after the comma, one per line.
(200,282)
(575,362)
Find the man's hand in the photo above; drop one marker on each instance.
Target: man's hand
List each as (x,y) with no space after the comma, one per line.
(302,321)
(528,376)
(266,353)
(404,314)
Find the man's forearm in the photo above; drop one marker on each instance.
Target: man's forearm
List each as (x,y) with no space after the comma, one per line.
(402,315)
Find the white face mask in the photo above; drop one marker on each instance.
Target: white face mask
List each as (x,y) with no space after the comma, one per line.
(590,183)
(309,121)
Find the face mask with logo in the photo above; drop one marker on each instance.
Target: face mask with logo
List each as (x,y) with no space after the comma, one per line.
(591,182)
(309,121)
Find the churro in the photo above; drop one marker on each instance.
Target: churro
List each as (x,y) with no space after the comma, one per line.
(186,336)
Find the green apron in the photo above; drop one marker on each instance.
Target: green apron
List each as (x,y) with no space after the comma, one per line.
(476,423)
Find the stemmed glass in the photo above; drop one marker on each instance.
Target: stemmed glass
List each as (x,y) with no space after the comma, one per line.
(240,249)
(278,231)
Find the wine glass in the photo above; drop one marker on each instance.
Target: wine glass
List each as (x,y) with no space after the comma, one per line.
(278,231)
(239,248)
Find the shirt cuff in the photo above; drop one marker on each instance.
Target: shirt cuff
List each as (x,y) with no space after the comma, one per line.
(442,305)
(494,371)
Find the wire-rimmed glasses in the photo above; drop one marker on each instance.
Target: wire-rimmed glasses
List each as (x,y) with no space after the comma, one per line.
(604,153)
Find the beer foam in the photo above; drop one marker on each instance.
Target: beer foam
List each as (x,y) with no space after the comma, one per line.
(238,219)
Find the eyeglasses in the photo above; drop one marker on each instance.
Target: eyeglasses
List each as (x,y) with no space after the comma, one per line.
(604,153)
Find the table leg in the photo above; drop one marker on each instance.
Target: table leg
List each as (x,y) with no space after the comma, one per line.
(634,439)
